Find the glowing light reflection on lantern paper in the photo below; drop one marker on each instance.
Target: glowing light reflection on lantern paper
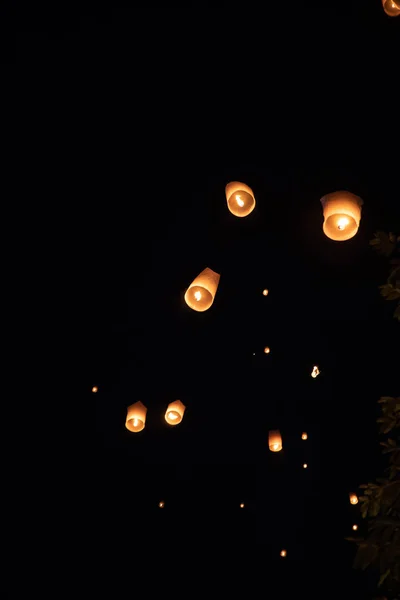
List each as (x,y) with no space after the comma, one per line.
(391,7)
(315,372)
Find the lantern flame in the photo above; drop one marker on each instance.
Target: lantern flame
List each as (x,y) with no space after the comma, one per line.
(239,200)
(342,223)
(197,295)
(172,415)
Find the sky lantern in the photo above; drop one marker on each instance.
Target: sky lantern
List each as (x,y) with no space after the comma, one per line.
(391,7)
(283,553)
(265,292)
(275,440)
(240,198)
(342,214)
(136,417)
(304,436)
(95,389)
(174,412)
(201,292)
(267,350)
(161,504)
(353,498)
(315,372)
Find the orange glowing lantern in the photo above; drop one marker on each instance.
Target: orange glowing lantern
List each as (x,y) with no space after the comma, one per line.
(391,7)
(342,214)
(242,505)
(161,504)
(355,527)
(136,417)
(174,412)
(95,389)
(283,553)
(267,350)
(304,436)
(265,292)
(305,466)
(275,441)
(315,372)
(353,499)
(240,198)
(201,292)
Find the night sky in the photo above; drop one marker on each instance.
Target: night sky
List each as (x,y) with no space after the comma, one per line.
(157,109)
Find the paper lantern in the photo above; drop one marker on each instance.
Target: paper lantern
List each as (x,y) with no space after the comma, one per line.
(315,372)
(95,389)
(161,504)
(342,214)
(353,499)
(391,7)
(242,505)
(355,527)
(305,466)
(240,198)
(304,436)
(136,417)
(267,350)
(283,553)
(174,412)
(201,292)
(275,441)
(265,292)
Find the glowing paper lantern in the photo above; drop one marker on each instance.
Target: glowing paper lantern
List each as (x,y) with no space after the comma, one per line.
(275,441)
(353,499)
(342,214)
(201,292)
(305,466)
(391,7)
(136,417)
(355,527)
(304,436)
(265,292)
(315,372)
(240,198)
(242,505)
(283,553)
(267,350)
(95,389)
(174,412)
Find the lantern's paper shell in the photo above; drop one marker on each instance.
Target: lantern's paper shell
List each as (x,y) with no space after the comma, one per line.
(353,499)
(275,441)
(342,214)
(136,417)
(174,412)
(240,198)
(201,292)
(391,7)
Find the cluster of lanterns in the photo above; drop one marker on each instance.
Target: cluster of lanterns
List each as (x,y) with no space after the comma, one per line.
(136,415)
(341,212)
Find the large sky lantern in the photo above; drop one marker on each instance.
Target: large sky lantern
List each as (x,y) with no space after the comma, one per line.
(342,214)
(240,198)
(353,498)
(391,7)
(275,440)
(201,292)
(174,412)
(136,417)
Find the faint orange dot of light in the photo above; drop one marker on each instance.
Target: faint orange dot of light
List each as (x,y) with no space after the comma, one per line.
(355,527)
(242,505)
(95,389)
(161,504)
(304,436)
(283,553)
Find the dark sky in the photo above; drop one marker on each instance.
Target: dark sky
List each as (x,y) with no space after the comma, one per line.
(153,110)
